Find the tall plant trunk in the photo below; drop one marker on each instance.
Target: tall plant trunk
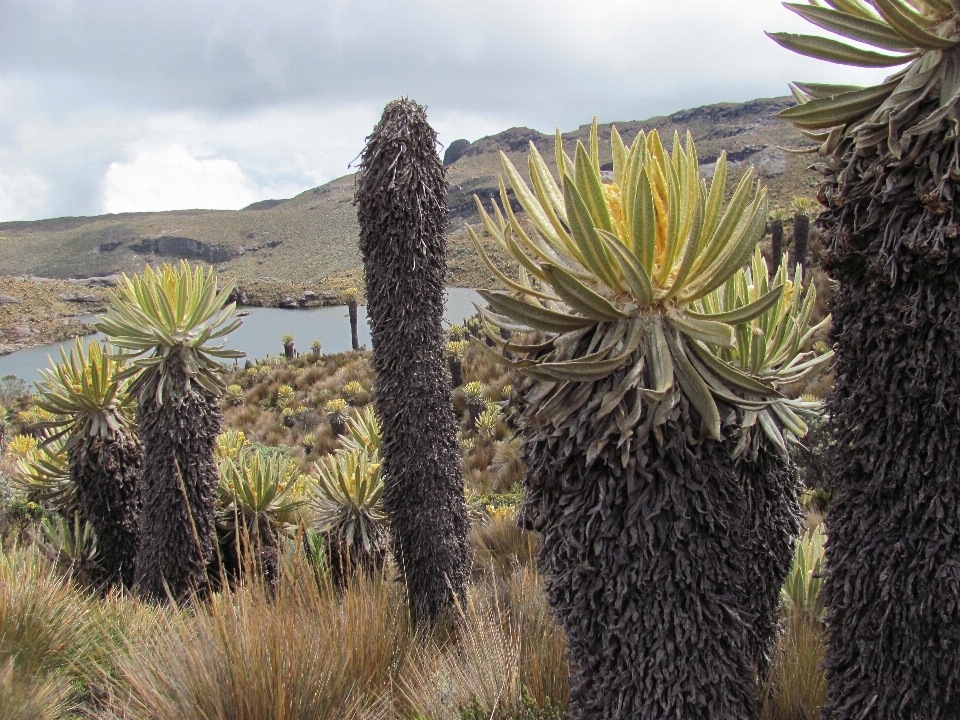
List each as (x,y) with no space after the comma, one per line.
(401,206)
(644,565)
(354,322)
(107,475)
(801,235)
(768,531)
(288,351)
(456,370)
(893,549)
(776,245)
(179,486)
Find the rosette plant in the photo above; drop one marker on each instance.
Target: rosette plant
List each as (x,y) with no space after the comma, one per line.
(166,323)
(347,500)
(43,475)
(259,500)
(93,417)
(891,168)
(629,417)
(770,346)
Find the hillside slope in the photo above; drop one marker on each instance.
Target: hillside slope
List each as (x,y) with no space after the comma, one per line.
(311,240)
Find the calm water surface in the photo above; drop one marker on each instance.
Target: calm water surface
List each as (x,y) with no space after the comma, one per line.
(261,333)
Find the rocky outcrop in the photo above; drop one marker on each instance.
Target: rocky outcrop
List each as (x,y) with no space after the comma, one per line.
(184,247)
(79,298)
(455,151)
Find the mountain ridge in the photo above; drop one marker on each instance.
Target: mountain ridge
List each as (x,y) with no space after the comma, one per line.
(310,240)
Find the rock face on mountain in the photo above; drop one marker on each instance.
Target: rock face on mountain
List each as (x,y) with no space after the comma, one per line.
(314,235)
(454,151)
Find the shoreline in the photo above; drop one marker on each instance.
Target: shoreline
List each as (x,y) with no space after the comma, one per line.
(38,311)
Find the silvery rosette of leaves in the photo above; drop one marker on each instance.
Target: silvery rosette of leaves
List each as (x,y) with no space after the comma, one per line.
(610,280)
(85,394)
(174,312)
(43,475)
(913,102)
(770,346)
(263,487)
(347,497)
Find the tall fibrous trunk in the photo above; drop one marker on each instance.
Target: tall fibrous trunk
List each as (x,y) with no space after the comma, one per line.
(107,474)
(891,171)
(643,564)
(776,243)
(178,524)
(893,551)
(801,235)
(401,207)
(769,523)
(354,323)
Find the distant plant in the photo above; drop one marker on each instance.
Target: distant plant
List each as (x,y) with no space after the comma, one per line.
(363,434)
(354,392)
(288,349)
(230,443)
(455,352)
(233,395)
(43,475)
(803,208)
(487,421)
(166,323)
(21,446)
(473,396)
(801,590)
(285,396)
(777,218)
(315,348)
(336,411)
(350,296)
(12,389)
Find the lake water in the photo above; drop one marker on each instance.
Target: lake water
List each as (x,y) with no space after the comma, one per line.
(261,333)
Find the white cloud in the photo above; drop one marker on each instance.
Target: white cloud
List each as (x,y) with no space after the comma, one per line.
(23,195)
(219,102)
(172,178)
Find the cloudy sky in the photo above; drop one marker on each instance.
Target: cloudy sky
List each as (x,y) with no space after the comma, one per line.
(131,105)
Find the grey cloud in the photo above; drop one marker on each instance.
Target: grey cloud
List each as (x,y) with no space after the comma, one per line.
(237,56)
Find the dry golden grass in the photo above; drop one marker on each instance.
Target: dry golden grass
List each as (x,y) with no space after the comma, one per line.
(796,688)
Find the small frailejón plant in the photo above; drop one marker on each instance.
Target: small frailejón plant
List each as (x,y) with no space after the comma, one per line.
(630,418)
(770,346)
(348,503)
(259,503)
(93,415)
(890,190)
(166,323)
(337,414)
(347,500)
(401,208)
(43,474)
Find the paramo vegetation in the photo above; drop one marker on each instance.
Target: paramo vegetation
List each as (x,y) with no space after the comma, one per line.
(652,478)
